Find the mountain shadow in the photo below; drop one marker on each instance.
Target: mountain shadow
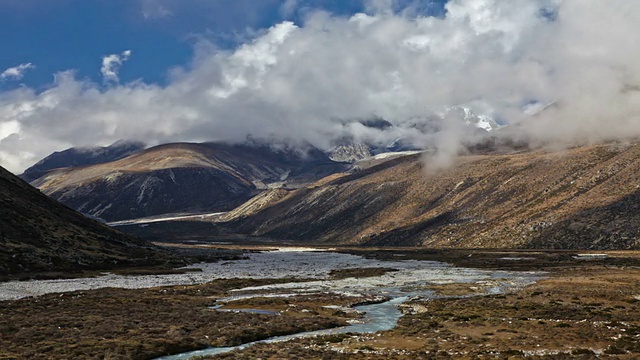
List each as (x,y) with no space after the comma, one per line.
(610,227)
(38,234)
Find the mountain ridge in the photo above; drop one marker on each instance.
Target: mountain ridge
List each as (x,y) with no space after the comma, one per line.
(82,156)
(182,177)
(582,197)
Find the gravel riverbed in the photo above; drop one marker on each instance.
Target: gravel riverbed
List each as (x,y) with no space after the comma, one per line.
(302,263)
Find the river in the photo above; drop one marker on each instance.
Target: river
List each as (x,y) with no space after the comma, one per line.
(412,279)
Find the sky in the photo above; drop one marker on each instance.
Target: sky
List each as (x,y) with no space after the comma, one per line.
(89,73)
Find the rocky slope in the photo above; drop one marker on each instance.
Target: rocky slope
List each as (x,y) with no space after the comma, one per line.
(350,152)
(585,197)
(38,234)
(182,177)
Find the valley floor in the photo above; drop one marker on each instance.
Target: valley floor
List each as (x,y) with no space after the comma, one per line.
(584,307)
(581,313)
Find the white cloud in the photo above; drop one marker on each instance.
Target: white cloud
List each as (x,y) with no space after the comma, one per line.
(16,72)
(9,128)
(304,82)
(111,65)
(154,9)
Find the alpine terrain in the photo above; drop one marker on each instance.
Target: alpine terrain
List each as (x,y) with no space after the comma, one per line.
(182,178)
(585,197)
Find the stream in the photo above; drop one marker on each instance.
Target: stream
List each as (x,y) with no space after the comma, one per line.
(412,280)
(378,317)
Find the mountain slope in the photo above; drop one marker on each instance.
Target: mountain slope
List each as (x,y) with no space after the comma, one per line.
(38,234)
(181,177)
(75,157)
(584,197)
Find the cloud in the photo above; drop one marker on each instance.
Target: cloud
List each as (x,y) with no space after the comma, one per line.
(215,15)
(288,8)
(111,64)
(311,81)
(16,72)
(154,9)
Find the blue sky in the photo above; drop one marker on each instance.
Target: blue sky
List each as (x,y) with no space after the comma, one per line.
(91,72)
(75,34)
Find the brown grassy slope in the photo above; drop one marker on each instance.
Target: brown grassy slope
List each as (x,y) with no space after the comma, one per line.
(82,156)
(157,158)
(585,197)
(255,204)
(39,234)
(243,162)
(180,177)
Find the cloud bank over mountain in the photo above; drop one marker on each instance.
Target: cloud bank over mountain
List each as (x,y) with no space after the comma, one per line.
(303,81)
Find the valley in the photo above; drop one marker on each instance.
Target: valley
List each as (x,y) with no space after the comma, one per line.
(320,180)
(566,307)
(585,197)
(507,254)
(582,197)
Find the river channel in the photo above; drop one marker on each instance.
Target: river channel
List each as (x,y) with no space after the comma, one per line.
(412,280)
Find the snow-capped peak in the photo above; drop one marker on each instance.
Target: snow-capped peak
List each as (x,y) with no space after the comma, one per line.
(484,122)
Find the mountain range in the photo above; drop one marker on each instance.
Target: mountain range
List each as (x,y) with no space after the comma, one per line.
(587,197)
(499,194)
(349,149)
(178,178)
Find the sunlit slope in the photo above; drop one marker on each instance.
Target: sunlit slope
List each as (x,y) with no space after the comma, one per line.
(585,197)
(181,177)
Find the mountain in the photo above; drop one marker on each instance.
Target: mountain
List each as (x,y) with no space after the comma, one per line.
(476,127)
(182,178)
(38,234)
(484,122)
(350,151)
(75,157)
(582,198)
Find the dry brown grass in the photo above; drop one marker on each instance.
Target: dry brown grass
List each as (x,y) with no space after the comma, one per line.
(584,198)
(143,324)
